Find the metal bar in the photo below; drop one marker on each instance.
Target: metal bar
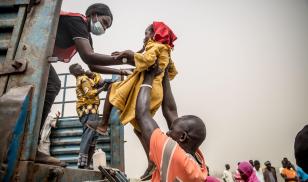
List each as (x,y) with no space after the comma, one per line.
(117,140)
(72,101)
(106,174)
(14,111)
(64,93)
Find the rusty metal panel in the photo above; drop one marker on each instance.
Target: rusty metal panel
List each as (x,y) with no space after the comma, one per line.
(13,2)
(16,104)
(117,140)
(34,172)
(36,44)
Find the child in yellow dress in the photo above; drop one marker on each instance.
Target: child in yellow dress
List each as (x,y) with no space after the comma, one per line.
(158,44)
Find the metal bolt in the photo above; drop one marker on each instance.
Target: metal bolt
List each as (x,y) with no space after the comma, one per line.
(16,64)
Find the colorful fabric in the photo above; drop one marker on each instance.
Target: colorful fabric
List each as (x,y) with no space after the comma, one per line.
(97,79)
(173,163)
(123,95)
(289,173)
(87,96)
(302,175)
(247,169)
(163,34)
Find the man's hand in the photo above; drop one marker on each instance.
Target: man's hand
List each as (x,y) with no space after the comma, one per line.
(128,54)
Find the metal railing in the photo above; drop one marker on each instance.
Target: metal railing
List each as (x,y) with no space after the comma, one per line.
(65,88)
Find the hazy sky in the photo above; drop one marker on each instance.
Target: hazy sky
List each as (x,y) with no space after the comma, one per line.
(242,68)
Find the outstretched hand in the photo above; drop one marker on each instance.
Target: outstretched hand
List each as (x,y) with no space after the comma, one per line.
(128,54)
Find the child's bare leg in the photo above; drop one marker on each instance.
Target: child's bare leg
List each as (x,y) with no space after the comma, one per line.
(103,126)
(146,149)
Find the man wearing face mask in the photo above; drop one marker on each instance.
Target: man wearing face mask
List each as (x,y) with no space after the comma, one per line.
(73,35)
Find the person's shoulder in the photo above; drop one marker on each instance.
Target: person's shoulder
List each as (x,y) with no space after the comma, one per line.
(82,78)
(72,18)
(157,133)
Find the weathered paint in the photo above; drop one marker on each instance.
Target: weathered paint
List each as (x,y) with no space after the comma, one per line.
(15,103)
(117,137)
(36,44)
(30,171)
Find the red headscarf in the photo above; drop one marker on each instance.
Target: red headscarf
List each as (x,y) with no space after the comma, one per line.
(163,34)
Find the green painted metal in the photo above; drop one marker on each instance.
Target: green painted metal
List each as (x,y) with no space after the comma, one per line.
(65,139)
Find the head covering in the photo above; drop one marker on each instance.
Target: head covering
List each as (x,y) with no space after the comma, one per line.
(211,179)
(247,169)
(163,34)
(301,148)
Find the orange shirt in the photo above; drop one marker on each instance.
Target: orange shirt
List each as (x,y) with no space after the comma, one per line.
(173,163)
(289,173)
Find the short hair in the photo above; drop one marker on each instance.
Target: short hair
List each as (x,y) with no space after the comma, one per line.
(72,67)
(267,163)
(197,127)
(256,162)
(99,9)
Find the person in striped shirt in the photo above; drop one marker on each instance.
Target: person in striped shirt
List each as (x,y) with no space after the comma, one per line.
(176,154)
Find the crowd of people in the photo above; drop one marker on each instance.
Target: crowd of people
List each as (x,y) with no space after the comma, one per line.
(251,171)
(172,156)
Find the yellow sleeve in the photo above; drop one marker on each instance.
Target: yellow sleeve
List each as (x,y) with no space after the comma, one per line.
(144,61)
(172,70)
(97,78)
(87,89)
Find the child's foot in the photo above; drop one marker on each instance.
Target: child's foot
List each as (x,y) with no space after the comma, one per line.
(102,130)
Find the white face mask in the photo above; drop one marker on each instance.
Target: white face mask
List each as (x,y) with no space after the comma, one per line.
(97,28)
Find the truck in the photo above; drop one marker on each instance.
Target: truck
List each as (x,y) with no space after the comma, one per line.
(27,36)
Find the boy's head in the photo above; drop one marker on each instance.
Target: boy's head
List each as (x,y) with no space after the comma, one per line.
(76,70)
(149,33)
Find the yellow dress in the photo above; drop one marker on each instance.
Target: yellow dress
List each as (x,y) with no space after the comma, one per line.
(123,95)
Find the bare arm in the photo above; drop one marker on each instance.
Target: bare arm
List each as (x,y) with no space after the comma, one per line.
(90,57)
(143,116)
(168,106)
(106,70)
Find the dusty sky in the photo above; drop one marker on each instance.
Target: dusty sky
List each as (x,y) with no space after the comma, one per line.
(242,69)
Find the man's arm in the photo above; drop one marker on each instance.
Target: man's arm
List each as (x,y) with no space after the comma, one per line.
(143,117)
(168,106)
(106,70)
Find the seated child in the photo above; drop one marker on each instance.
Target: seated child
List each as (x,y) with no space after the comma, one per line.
(158,44)
(87,110)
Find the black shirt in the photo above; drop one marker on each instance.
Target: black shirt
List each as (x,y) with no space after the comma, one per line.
(70,28)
